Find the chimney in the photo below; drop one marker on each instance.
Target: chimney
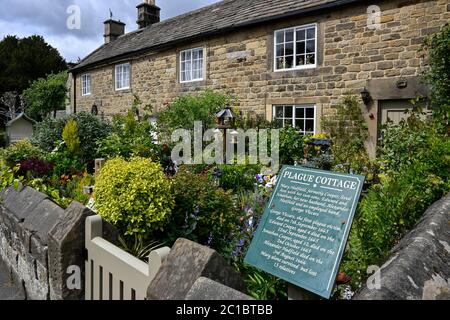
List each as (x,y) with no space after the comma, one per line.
(148,14)
(113,30)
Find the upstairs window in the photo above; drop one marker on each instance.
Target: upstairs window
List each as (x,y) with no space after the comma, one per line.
(191,65)
(122,76)
(86,84)
(296,48)
(300,117)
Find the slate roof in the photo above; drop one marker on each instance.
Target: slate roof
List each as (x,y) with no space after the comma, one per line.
(214,19)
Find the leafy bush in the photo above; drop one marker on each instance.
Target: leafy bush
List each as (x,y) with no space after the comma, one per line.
(185,110)
(21,150)
(129,138)
(46,95)
(413,181)
(71,138)
(291,146)
(73,187)
(90,130)
(348,131)
(134,195)
(8,176)
(406,142)
(35,167)
(65,163)
(203,212)
(236,177)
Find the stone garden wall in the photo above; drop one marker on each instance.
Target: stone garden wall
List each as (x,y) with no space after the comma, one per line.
(39,241)
(419,266)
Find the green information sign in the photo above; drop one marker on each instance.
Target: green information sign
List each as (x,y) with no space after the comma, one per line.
(304,229)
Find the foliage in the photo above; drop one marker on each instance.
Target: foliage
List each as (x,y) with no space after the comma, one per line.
(8,176)
(438,73)
(291,146)
(406,142)
(187,109)
(90,130)
(262,285)
(71,138)
(251,120)
(348,131)
(21,150)
(134,195)
(64,161)
(203,212)
(411,183)
(25,60)
(73,187)
(236,177)
(139,247)
(129,138)
(53,192)
(46,95)
(35,167)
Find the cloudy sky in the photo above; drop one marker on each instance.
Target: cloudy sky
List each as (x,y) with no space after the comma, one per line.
(49,19)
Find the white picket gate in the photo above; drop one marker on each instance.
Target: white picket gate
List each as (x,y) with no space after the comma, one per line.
(113,274)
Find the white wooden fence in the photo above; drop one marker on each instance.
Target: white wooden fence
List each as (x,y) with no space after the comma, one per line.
(113,274)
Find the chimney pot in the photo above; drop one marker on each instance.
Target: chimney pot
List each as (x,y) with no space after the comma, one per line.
(113,30)
(148,14)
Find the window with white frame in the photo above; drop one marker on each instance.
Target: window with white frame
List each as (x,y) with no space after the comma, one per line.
(300,117)
(191,65)
(86,84)
(122,74)
(296,48)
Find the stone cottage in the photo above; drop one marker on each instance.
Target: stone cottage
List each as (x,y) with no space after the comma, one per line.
(289,60)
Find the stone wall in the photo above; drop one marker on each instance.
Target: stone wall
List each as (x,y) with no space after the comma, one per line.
(349,55)
(39,241)
(419,266)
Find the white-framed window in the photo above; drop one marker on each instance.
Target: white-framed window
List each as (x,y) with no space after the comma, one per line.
(300,117)
(295,48)
(85,84)
(191,65)
(122,75)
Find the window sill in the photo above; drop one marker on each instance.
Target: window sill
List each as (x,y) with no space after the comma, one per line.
(123,90)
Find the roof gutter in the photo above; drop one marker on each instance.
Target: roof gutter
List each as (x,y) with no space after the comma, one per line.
(159,48)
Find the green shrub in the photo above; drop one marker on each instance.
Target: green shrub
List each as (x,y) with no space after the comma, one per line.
(90,130)
(185,110)
(71,138)
(292,146)
(237,177)
(134,195)
(413,181)
(21,150)
(8,176)
(348,131)
(203,212)
(73,188)
(65,162)
(406,142)
(129,138)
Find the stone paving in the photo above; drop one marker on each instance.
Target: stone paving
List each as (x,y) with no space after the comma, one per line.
(8,289)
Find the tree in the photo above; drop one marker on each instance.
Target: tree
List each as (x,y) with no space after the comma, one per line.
(12,105)
(46,95)
(25,60)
